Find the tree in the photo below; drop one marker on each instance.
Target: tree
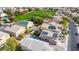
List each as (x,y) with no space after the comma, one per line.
(76,19)
(16,13)
(47,15)
(64,22)
(11,44)
(65,18)
(8,12)
(37,20)
(37,33)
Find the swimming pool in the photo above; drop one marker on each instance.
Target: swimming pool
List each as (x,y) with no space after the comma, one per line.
(35,37)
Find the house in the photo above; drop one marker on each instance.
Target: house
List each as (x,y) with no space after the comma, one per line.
(21,9)
(57,19)
(48,35)
(26,24)
(53,38)
(4,17)
(32,44)
(3,37)
(14,30)
(67,13)
(52,26)
(75,14)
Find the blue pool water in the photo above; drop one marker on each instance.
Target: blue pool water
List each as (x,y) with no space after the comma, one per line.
(35,37)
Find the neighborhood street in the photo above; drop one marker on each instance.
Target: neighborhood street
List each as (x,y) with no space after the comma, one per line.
(72,37)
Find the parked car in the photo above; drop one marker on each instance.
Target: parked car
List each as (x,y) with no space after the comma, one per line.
(77,45)
(76,34)
(76,25)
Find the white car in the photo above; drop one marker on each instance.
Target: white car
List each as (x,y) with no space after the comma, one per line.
(76,25)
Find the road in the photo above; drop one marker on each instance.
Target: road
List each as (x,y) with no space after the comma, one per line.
(72,37)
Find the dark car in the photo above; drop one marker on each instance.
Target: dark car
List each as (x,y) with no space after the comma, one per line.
(76,34)
(77,45)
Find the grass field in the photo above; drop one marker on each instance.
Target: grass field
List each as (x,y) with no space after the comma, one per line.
(39,13)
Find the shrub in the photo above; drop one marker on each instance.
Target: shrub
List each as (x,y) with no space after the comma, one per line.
(21,36)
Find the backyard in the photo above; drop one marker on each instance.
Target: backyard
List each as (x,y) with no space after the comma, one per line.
(38,13)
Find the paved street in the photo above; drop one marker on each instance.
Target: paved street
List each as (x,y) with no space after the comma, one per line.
(72,37)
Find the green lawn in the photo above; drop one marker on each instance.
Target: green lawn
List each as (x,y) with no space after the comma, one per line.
(40,13)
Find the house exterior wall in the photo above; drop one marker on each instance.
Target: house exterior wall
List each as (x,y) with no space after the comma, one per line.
(11,33)
(4,38)
(45,26)
(57,19)
(20,32)
(29,25)
(16,33)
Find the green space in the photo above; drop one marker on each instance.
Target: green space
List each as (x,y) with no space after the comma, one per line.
(37,13)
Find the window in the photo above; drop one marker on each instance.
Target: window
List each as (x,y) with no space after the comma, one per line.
(44,33)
